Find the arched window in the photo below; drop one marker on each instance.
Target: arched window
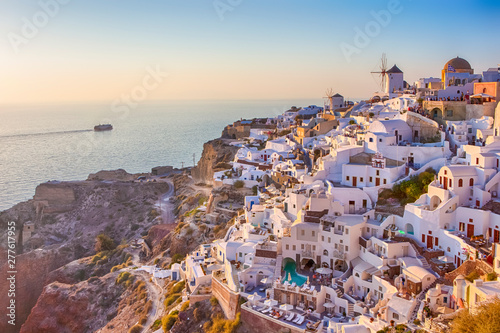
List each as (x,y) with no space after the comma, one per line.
(460,182)
(471,182)
(484,90)
(325,252)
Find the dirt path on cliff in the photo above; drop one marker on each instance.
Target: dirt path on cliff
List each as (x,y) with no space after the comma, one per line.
(165,206)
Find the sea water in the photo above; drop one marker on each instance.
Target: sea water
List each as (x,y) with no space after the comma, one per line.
(57,142)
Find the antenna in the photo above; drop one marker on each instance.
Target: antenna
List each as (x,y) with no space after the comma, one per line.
(383,71)
(182,163)
(194,163)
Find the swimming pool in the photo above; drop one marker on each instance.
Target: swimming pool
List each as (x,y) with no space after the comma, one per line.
(297,278)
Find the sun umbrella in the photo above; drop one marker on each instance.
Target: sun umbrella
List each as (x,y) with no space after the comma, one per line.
(324,270)
(270,302)
(286,307)
(266,280)
(254,298)
(329,305)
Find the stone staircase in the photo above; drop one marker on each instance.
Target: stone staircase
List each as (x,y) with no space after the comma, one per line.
(350,309)
(277,268)
(425,263)
(419,299)
(339,292)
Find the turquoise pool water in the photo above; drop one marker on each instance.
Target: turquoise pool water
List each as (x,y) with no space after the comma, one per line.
(290,268)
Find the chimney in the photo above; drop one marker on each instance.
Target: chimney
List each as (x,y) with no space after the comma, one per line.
(365,218)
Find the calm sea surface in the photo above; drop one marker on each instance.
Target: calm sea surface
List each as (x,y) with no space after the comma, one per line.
(41,143)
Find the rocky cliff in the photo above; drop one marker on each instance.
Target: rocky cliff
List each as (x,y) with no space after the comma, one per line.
(216,154)
(122,210)
(98,304)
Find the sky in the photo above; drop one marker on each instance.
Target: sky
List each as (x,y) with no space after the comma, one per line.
(58,51)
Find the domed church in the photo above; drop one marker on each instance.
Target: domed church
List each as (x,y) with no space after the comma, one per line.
(458,72)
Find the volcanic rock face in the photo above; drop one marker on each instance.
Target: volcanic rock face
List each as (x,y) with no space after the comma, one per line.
(215,154)
(84,307)
(67,217)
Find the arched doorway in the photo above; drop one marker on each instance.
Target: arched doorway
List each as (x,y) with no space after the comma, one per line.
(436,113)
(435,202)
(409,229)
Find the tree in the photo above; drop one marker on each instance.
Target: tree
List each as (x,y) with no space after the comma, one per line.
(485,320)
(104,243)
(371,114)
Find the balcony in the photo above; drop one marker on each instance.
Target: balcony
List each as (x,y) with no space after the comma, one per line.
(308,253)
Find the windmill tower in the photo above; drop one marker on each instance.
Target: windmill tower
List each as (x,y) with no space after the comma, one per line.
(328,100)
(382,73)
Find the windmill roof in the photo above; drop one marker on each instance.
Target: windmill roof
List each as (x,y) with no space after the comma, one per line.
(394,69)
(337,95)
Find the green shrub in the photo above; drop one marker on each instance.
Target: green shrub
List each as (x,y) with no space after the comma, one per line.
(156,325)
(472,276)
(104,243)
(491,276)
(169,320)
(171,299)
(136,329)
(214,301)
(239,184)
(178,287)
(185,306)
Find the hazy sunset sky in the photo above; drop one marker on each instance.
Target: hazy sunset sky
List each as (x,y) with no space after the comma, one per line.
(96,50)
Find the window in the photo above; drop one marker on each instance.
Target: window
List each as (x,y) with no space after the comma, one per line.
(314,247)
(450,183)
(423,238)
(371,140)
(313,233)
(360,179)
(380,288)
(445,172)
(241,254)
(395,316)
(379,140)
(436,238)
(461,226)
(346,231)
(371,178)
(294,247)
(449,113)
(347,248)
(378,172)
(302,232)
(322,238)
(347,178)
(385,181)
(301,246)
(470,130)
(460,182)
(287,246)
(471,181)
(329,240)
(365,203)
(325,252)
(477,160)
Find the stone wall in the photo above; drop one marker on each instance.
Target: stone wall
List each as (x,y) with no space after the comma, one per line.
(255,322)
(228,300)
